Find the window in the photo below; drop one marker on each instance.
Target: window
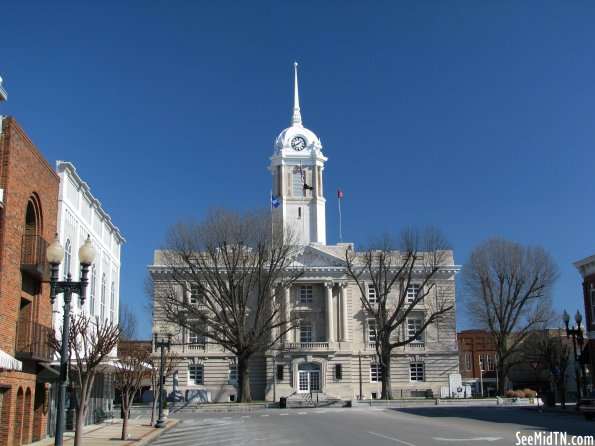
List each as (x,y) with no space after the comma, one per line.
(468,362)
(592,303)
(338,372)
(102,297)
(306,294)
(372,294)
(67,258)
(195,374)
(92,287)
(194,334)
(306,331)
(413,291)
(416,371)
(196,297)
(233,374)
(279,372)
(375,373)
(112,301)
(414,326)
(490,363)
(297,189)
(372,330)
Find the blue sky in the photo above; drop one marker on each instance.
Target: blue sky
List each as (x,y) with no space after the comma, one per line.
(474,116)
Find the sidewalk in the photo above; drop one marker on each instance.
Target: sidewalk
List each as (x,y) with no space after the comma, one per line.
(108,433)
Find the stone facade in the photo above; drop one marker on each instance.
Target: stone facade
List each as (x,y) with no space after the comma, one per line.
(27,224)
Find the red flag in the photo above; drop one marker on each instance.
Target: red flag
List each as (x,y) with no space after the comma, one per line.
(339,194)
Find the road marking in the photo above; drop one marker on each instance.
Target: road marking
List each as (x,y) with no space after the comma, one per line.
(301,413)
(467,439)
(265,415)
(283,414)
(391,438)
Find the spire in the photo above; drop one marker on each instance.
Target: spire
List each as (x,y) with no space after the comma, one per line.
(296,119)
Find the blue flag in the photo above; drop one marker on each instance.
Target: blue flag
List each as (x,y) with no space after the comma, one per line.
(275,202)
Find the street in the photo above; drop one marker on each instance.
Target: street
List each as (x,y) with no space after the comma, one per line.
(371,426)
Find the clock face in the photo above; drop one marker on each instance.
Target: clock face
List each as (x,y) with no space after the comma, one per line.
(298,143)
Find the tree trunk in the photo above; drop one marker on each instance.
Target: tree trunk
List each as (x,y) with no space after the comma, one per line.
(244,395)
(154,407)
(81,406)
(80,424)
(502,382)
(387,388)
(125,407)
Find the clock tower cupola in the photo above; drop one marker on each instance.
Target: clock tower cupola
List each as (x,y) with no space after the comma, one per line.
(297,165)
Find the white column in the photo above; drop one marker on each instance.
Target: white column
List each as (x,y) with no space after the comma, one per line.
(288,336)
(330,329)
(344,315)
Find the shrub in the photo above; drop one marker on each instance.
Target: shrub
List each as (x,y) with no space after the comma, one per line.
(524,393)
(529,393)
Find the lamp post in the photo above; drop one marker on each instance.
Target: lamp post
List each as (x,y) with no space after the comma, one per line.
(55,254)
(361,394)
(162,343)
(577,338)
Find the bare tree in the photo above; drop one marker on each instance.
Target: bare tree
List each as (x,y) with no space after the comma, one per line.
(553,349)
(170,363)
(398,277)
(224,279)
(508,290)
(128,323)
(91,342)
(132,367)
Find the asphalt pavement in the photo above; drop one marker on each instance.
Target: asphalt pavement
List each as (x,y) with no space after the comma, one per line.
(416,426)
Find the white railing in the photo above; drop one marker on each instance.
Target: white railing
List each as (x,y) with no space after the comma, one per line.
(417,345)
(306,345)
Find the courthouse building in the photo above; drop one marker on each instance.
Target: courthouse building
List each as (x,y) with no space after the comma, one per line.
(333,350)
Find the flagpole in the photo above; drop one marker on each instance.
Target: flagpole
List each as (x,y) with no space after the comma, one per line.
(340,223)
(339,194)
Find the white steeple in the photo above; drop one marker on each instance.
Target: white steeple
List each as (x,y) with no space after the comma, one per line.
(296,120)
(297,165)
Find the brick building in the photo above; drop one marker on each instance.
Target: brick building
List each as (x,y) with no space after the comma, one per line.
(586,268)
(28,215)
(477,360)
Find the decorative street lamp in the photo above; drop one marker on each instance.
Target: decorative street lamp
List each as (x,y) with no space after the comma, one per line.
(162,343)
(55,254)
(577,338)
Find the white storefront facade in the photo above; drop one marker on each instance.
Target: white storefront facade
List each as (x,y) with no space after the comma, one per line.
(80,215)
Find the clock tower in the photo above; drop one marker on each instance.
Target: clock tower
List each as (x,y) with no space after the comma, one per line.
(297,165)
